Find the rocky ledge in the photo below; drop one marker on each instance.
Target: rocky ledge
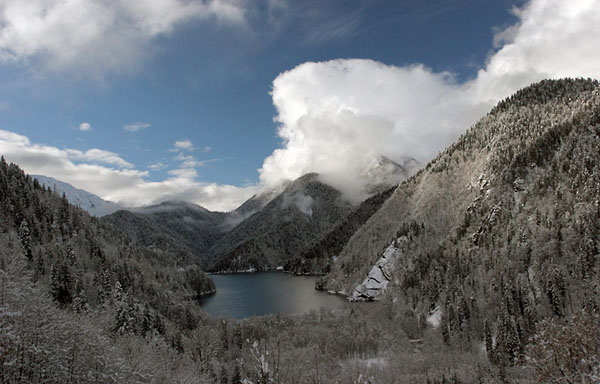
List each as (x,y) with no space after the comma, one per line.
(380,275)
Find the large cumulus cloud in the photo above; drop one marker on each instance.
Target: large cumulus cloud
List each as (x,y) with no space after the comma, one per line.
(337,116)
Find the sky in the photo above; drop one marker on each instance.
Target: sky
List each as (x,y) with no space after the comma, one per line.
(211,101)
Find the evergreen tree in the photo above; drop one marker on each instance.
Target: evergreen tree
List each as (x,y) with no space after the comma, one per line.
(80,303)
(61,284)
(224,376)
(236,377)
(25,235)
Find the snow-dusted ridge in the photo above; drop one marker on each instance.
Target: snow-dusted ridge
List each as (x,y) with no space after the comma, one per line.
(94,205)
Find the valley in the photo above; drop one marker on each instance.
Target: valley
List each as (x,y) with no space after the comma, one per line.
(459,271)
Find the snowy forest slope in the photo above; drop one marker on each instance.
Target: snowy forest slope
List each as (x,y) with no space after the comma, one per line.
(502,226)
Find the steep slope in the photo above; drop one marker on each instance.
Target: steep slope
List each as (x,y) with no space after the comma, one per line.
(185,227)
(143,231)
(317,258)
(382,176)
(500,230)
(92,204)
(301,213)
(79,302)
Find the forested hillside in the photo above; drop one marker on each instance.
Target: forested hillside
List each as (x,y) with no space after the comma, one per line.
(317,258)
(304,211)
(70,283)
(185,229)
(501,228)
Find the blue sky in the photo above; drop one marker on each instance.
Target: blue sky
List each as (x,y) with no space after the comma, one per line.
(109,90)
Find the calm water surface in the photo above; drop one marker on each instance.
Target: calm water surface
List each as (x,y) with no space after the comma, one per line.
(252,294)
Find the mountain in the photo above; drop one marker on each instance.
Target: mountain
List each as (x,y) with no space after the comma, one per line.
(498,232)
(384,173)
(317,257)
(305,210)
(266,230)
(284,220)
(188,228)
(87,201)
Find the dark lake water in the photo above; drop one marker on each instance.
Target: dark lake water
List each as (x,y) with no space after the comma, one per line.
(252,294)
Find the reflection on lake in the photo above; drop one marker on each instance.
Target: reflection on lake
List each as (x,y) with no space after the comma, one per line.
(253,294)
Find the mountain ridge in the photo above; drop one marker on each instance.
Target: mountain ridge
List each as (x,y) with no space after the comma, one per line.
(93,204)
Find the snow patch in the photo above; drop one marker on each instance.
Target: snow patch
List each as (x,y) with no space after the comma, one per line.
(435,317)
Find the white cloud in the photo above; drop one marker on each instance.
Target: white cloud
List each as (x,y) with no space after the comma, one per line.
(135,127)
(157,166)
(126,186)
(98,156)
(84,127)
(96,36)
(552,39)
(336,116)
(184,145)
(188,161)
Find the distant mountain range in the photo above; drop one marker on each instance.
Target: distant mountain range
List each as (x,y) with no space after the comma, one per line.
(266,231)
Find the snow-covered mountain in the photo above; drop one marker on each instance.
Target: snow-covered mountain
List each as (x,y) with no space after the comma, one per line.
(87,201)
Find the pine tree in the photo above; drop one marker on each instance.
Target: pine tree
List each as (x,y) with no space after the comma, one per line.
(158,324)
(147,320)
(61,284)
(25,235)
(224,335)
(237,337)
(236,377)
(40,269)
(71,256)
(80,303)
(489,343)
(224,376)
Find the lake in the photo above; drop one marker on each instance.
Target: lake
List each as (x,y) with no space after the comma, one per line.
(253,294)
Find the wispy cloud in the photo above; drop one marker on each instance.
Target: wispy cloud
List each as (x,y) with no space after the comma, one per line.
(98,156)
(188,161)
(157,166)
(135,127)
(84,127)
(339,26)
(185,145)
